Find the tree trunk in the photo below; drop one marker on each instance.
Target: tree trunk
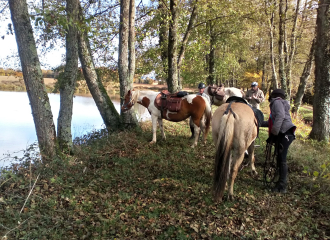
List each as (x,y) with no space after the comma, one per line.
(263,78)
(35,87)
(163,38)
(211,63)
(292,49)
(105,106)
(185,41)
(272,57)
(321,104)
(126,83)
(281,60)
(172,80)
(131,41)
(67,84)
(303,80)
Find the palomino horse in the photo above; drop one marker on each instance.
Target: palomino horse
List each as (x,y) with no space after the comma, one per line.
(228,92)
(194,106)
(219,100)
(234,129)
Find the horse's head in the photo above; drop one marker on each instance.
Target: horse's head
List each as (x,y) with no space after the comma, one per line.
(128,101)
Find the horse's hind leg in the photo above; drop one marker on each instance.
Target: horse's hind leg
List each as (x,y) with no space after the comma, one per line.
(252,159)
(202,128)
(196,133)
(160,122)
(236,162)
(154,128)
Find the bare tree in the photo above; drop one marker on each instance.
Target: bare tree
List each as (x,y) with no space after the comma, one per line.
(35,87)
(321,103)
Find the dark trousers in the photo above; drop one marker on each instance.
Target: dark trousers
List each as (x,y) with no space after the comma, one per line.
(284,141)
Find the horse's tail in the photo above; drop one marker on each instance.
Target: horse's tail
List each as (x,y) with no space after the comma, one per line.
(223,156)
(208,118)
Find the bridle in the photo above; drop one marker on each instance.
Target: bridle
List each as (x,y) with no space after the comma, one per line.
(129,104)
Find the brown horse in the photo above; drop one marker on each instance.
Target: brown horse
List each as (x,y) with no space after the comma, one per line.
(234,129)
(194,106)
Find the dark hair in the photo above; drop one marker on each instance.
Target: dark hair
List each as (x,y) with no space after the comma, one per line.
(277,93)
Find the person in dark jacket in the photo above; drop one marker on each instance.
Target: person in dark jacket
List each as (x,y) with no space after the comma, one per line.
(281,131)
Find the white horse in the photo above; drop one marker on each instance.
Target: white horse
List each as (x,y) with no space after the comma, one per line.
(194,106)
(229,92)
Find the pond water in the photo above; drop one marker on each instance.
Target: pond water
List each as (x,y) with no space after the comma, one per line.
(17,130)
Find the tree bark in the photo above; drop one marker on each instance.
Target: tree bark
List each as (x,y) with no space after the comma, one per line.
(67,84)
(163,38)
(303,80)
(281,60)
(272,57)
(211,63)
(131,41)
(292,48)
(126,82)
(33,79)
(185,41)
(172,79)
(321,104)
(105,106)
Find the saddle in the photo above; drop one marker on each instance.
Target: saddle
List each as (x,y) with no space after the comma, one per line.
(217,92)
(169,101)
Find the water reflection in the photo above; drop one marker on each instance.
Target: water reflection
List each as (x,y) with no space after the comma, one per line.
(17,130)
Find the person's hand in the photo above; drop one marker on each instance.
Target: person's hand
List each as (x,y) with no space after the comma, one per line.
(271,139)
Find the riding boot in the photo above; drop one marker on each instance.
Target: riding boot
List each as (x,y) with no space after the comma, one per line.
(283,176)
(192,129)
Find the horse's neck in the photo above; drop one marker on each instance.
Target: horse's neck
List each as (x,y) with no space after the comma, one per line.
(233,92)
(142,94)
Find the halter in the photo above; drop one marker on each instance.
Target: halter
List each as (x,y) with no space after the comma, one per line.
(127,106)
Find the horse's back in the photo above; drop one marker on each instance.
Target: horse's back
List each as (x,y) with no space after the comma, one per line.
(243,115)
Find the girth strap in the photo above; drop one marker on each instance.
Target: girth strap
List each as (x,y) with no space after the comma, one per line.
(229,109)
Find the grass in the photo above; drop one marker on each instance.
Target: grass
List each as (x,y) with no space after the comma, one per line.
(118,186)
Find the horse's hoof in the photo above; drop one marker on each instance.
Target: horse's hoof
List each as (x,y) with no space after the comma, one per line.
(193,146)
(230,197)
(152,142)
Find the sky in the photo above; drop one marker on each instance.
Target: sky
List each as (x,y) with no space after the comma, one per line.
(8,48)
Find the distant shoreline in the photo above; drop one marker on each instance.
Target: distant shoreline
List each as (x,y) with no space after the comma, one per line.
(12,83)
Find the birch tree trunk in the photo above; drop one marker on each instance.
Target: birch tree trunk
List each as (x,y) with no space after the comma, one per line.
(33,79)
(126,81)
(303,80)
(105,106)
(321,104)
(172,79)
(67,84)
